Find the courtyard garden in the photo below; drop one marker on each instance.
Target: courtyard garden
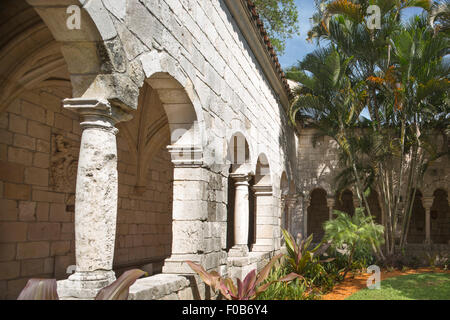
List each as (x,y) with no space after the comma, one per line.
(337,269)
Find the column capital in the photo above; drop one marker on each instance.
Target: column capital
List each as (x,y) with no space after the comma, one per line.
(427,202)
(330,202)
(291,199)
(240,177)
(262,190)
(187,156)
(97,113)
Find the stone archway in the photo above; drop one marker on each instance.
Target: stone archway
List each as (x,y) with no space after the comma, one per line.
(318,213)
(440,218)
(264,209)
(239,179)
(344,202)
(374,206)
(94,53)
(417,226)
(39,147)
(284,188)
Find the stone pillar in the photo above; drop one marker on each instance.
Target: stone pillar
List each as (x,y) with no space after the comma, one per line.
(330,205)
(356,203)
(96,197)
(241,215)
(306,204)
(290,205)
(265,219)
(298,218)
(189,209)
(427,202)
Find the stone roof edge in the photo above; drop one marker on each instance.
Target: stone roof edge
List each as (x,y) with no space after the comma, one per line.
(253,31)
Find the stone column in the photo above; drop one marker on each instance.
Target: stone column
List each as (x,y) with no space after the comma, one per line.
(290,205)
(306,204)
(330,205)
(189,209)
(265,219)
(96,197)
(241,215)
(298,218)
(427,202)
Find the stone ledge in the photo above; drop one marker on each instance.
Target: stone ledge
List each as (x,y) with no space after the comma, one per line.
(160,286)
(251,258)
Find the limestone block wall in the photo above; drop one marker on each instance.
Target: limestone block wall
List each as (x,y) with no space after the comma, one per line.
(144,220)
(196,43)
(318,167)
(39,143)
(199,44)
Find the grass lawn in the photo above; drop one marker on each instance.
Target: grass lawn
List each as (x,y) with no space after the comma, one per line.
(425,286)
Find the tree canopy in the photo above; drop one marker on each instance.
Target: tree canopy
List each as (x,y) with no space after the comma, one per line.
(399,72)
(280,18)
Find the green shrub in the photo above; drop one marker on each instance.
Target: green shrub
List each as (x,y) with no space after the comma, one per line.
(293,290)
(354,236)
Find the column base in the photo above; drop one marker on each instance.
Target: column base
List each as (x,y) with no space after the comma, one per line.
(176,264)
(239,250)
(84,285)
(261,247)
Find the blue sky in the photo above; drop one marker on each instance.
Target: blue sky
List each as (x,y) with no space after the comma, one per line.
(298,47)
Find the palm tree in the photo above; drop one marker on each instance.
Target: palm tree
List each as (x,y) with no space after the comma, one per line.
(398,73)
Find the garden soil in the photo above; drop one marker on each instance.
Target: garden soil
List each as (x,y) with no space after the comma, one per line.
(353,283)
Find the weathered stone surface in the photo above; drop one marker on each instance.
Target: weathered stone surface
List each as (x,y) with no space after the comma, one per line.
(161,286)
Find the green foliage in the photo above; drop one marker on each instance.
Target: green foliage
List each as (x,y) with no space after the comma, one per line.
(300,256)
(436,259)
(280,18)
(428,286)
(353,236)
(399,75)
(305,261)
(292,290)
(351,230)
(250,288)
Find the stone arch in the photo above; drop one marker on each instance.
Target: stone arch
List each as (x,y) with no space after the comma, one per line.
(39,144)
(262,171)
(318,213)
(180,99)
(374,206)
(417,226)
(162,137)
(284,184)
(176,125)
(284,190)
(239,152)
(260,232)
(344,202)
(30,57)
(93,52)
(239,173)
(440,217)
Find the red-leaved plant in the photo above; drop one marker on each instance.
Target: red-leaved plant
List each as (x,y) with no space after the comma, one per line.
(248,289)
(46,289)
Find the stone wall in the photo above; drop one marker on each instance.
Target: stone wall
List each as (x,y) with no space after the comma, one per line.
(39,146)
(318,166)
(181,54)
